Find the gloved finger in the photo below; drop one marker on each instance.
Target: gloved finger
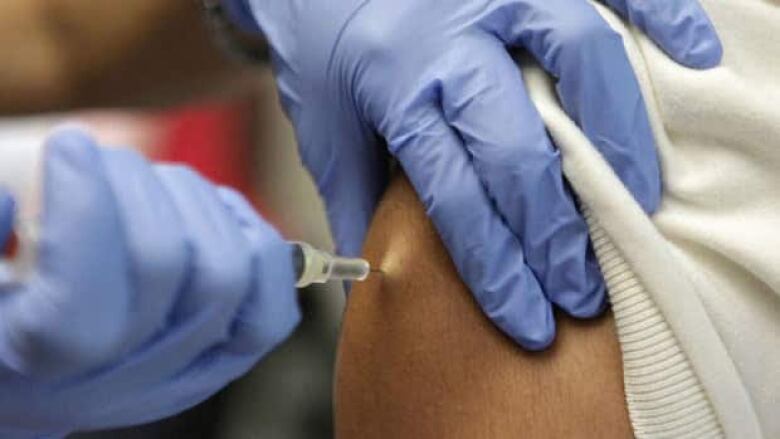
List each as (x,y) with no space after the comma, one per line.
(72,313)
(596,85)
(681,28)
(220,259)
(350,172)
(487,255)
(270,312)
(155,242)
(486,102)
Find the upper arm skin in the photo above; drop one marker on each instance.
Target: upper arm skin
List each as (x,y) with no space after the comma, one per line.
(61,54)
(417,359)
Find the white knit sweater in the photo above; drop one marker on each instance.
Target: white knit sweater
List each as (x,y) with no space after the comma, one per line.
(695,289)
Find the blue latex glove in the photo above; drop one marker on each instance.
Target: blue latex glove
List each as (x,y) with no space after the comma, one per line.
(153,289)
(434,81)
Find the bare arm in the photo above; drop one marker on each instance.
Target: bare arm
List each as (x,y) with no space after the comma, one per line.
(417,359)
(60,54)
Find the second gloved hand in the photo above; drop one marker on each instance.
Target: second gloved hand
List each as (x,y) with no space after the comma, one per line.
(434,81)
(152,290)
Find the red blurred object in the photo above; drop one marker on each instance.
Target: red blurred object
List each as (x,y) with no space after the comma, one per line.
(215,139)
(11,247)
(218,140)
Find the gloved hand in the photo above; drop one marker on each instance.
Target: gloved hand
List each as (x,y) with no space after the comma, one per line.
(434,81)
(152,290)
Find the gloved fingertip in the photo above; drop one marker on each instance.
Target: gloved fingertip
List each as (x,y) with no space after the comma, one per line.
(681,28)
(591,305)
(71,144)
(706,53)
(528,320)
(690,38)
(511,297)
(69,134)
(537,339)
(649,198)
(584,295)
(642,174)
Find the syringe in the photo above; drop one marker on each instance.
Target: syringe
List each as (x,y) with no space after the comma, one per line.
(310,265)
(314,266)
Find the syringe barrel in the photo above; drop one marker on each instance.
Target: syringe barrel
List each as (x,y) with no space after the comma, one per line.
(349,269)
(314,266)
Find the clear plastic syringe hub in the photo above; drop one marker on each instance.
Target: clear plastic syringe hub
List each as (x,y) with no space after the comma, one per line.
(314,266)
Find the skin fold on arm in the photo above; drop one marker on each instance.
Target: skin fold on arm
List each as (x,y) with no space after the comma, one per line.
(417,359)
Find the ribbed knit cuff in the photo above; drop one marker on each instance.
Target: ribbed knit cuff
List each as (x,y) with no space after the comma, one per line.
(665,398)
